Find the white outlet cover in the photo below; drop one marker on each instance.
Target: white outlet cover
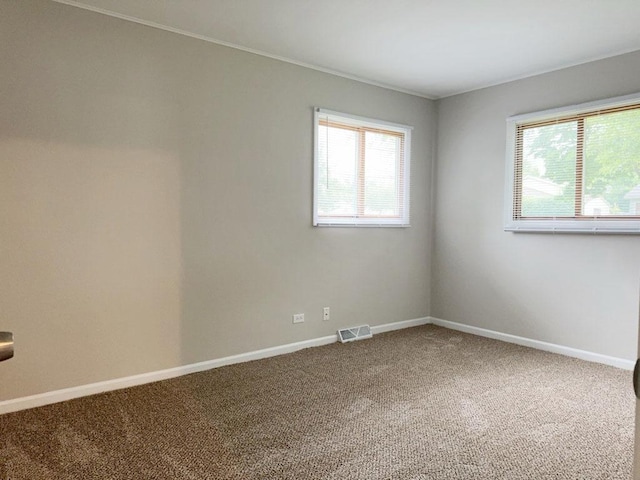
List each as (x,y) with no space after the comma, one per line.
(298,318)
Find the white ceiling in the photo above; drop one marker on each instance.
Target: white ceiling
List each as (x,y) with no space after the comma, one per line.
(433,48)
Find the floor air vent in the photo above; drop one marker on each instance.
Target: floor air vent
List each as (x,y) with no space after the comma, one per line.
(354,333)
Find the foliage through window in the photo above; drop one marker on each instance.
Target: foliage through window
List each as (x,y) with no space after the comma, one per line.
(361,171)
(576,169)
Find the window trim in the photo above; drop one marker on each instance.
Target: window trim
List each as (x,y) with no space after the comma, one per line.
(604,225)
(401,221)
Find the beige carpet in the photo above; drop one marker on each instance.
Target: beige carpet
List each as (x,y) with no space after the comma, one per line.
(421,403)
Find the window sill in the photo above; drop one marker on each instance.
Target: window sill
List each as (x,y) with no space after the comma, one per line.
(362,225)
(601,227)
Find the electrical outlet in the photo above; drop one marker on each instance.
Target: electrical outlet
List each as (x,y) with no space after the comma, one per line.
(298,318)
(325,313)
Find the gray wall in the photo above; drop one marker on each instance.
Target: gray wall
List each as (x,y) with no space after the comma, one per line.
(155,202)
(574,290)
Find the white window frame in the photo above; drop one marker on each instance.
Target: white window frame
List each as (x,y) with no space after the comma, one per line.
(560,224)
(355,221)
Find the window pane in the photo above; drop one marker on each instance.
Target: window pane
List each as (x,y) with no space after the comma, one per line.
(612,164)
(382,174)
(549,170)
(361,171)
(337,171)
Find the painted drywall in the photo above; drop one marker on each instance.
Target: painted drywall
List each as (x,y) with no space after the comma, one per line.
(579,291)
(156,201)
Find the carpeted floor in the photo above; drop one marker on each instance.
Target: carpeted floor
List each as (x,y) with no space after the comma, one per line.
(421,403)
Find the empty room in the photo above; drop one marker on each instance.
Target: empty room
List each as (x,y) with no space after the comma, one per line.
(319,240)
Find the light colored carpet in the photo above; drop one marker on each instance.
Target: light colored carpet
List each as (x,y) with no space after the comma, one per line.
(421,403)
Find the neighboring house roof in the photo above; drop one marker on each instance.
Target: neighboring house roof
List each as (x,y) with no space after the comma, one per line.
(540,187)
(597,202)
(633,194)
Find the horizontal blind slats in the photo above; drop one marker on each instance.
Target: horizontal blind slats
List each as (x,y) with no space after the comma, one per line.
(578,166)
(361,171)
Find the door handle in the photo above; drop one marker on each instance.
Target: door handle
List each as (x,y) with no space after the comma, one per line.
(6,346)
(636,371)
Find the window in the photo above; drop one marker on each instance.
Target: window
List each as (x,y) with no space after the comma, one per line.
(575,169)
(361,171)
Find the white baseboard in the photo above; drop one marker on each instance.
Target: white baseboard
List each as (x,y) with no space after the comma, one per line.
(56,396)
(527,342)
(389,327)
(39,400)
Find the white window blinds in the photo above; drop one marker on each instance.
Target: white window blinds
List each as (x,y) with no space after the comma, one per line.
(361,171)
(578,169)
